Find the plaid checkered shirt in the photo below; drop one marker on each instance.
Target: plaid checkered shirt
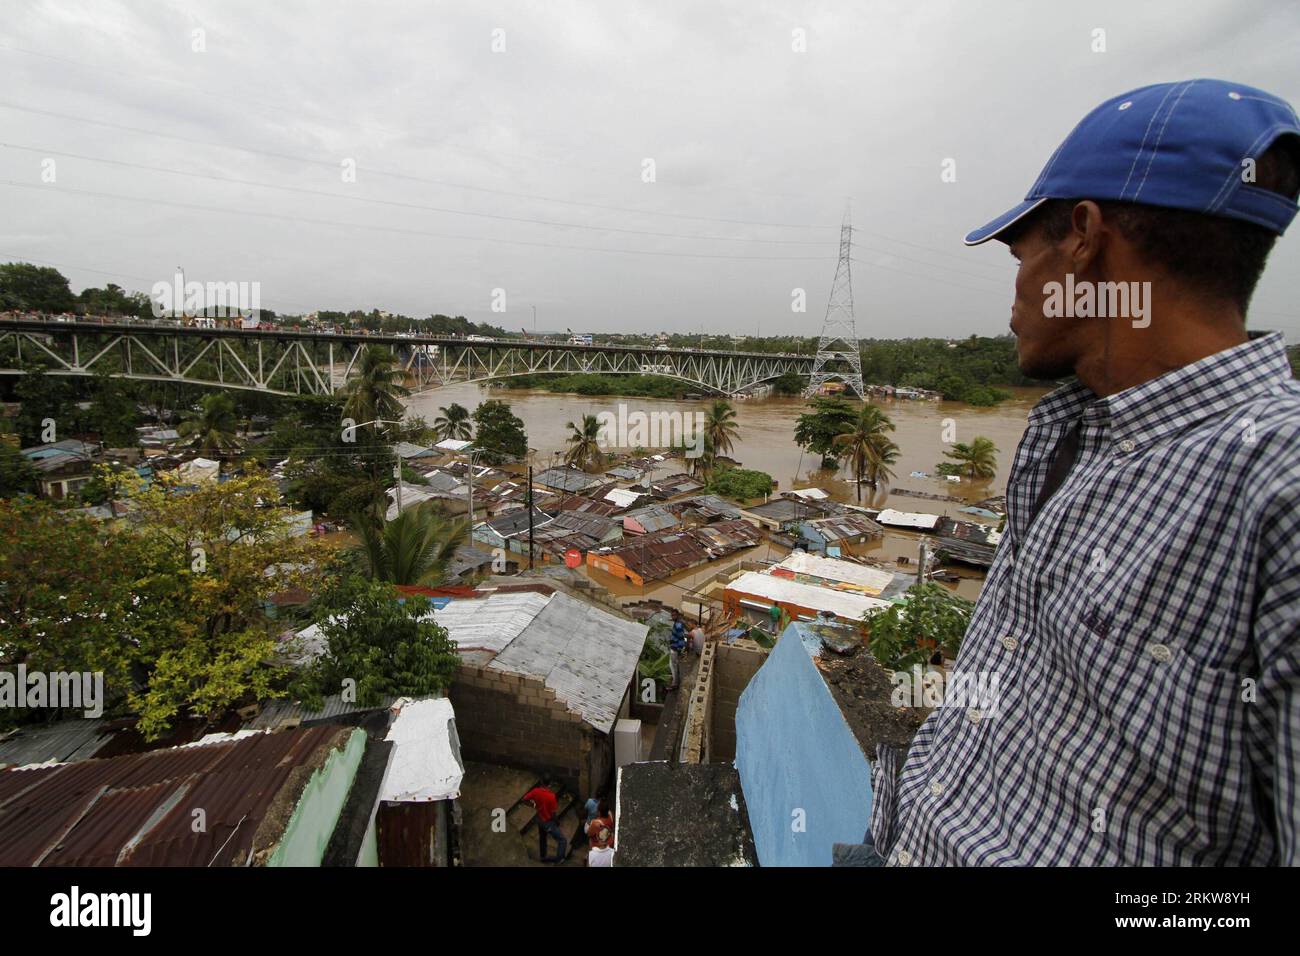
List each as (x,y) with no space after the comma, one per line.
(1128,690)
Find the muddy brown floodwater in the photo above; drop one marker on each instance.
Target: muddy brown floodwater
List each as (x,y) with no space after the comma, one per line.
(767,443)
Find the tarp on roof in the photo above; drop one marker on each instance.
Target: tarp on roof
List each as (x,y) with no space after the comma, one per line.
(425,762)
(199,469)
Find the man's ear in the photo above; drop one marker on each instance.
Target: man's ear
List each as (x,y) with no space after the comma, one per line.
(1087,235)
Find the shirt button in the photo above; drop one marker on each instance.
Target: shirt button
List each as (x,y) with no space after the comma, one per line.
(936,788)
(1010,643)
(904,858)
(1126,445)
(974,714)
(1161,652)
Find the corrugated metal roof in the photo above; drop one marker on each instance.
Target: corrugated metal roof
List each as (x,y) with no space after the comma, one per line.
(870,580)
(276,714)
(586,655)
(660,555)
(492,622)
(566,479)
(62,742)
(652,518)
(137,809)
(907,519)
(724,537)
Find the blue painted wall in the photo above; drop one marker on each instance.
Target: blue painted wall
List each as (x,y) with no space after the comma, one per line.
(795,751)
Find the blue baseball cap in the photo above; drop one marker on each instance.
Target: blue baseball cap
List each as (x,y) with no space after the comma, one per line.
(1178,145)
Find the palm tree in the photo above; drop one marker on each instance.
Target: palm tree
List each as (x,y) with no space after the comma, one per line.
(584,443)
(867,446)
(212,429)
(413,548)
(720,428)
(979,459)
(453,422)
(377,391)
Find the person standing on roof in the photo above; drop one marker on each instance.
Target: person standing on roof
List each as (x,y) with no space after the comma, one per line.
(1139,631)
(544,802)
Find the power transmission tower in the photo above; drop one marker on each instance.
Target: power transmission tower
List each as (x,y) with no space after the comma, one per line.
(838,345)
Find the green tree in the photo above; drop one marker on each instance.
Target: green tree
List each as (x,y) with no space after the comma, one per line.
(414,548)
(113,412)
(45,399)
(17,474)
(720,427)
(740,484)
(816,430)
(30,288)
(211,431)
(78,596)
(977,459)
(904,635)
(453,422)
(234,553)
(584,444)
(386,644)
(867,446)
(377,391)
(499,433)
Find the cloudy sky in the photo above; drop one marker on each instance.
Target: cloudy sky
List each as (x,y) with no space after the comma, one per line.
(505,146)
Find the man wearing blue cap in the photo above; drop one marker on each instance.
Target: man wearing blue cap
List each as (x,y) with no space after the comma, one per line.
(1140,627)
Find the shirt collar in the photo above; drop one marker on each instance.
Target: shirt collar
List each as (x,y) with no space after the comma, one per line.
(1170,402)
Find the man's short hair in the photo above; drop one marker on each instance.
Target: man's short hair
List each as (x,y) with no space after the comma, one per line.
(1218,256)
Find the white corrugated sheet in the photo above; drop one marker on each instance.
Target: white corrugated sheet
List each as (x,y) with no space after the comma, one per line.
(622,497)
(492,622)
(425,761)
(809,494)
(871,580)
(768,587)
(907,519)
(586,655)
(452,444)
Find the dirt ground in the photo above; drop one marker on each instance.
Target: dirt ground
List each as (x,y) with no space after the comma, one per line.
(489,787)
(862,689)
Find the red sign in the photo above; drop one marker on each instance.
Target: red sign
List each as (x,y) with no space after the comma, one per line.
(572,558)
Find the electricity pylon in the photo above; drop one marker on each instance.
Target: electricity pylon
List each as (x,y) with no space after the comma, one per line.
(838,345)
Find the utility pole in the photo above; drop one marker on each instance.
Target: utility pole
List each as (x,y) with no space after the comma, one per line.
(530,517)
(922,559)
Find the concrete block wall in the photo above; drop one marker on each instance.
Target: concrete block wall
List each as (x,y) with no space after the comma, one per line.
(699,708)
(734,666)
(509,719)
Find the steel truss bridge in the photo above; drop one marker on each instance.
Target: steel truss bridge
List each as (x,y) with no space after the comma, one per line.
(284,362)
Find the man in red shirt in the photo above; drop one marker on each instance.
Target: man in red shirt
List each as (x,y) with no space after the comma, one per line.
(543,801)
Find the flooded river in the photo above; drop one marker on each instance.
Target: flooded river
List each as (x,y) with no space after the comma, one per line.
(766,442)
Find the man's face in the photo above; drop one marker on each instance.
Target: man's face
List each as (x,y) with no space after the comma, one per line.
(1046,348)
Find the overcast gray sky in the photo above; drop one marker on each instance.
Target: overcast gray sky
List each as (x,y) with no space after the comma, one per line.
(756,147)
